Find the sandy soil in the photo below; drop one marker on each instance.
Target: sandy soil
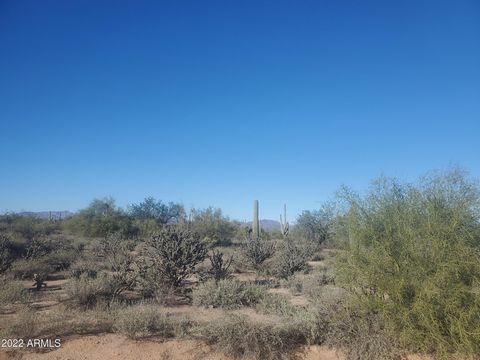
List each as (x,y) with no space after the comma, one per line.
(110,346)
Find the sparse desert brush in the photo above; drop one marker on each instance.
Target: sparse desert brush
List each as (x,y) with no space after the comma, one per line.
(227,294)
(142,321)
(80,267)
(276,304)
(362,334)
(87,292)
(26,269)
(31,323)
(239,337)
(311,284)
(12,291)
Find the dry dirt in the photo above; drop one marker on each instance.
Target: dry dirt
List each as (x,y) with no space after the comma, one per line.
(110,346)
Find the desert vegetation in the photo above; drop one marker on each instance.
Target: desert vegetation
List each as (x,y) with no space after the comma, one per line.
(392,272)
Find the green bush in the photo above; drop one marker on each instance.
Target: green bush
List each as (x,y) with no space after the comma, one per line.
(227,294)
(411,254)
(212,227)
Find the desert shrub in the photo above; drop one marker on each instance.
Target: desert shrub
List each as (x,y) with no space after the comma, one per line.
(212,226)
(411,254)
(227,294)
(156,210)
(60,260)
(256,250)
(142,321)
(81,267)
(291,256)
(361,334)
(316,226)
(239,337)
(37,247)
(276,304)
(311,324)
(29,323)
(87,292)
(311,284)
(6,255)
(100,218)
(26,269)
(12,291)
(173,253)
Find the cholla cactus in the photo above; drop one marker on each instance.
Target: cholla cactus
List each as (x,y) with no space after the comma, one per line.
(39,281)
(284,226)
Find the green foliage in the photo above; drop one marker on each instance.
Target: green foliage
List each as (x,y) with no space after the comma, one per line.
(151,209)
(210,224)
(100,218)
(315,226)
(257,250)
(24,227)
(411,253)
(227,294)
(173,254)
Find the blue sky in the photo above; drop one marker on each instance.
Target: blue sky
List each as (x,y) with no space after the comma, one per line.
(223,102)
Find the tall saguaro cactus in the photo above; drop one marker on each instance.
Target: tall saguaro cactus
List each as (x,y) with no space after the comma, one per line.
(284,226)
(255,223)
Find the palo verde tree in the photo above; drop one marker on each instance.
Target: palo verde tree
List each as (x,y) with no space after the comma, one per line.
(411,253)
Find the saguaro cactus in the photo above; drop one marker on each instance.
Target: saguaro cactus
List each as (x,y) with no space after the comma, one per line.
(255,223)
(284,226)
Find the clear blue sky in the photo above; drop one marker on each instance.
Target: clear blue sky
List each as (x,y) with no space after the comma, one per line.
(223,102)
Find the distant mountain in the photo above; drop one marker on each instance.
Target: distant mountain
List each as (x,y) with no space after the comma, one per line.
(267,224)
(55,215)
